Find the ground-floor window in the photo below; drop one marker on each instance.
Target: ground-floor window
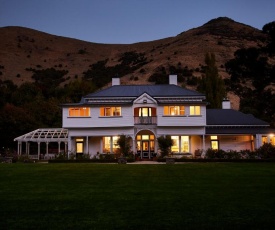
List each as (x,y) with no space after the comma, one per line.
(271,139)
(110,144)
(79,145)
(180,144)
(214,142)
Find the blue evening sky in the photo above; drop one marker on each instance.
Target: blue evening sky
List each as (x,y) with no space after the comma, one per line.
(129,21)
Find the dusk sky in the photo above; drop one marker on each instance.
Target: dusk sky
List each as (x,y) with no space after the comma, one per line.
(129,21)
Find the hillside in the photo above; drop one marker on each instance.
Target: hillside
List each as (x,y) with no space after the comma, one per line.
(23,50)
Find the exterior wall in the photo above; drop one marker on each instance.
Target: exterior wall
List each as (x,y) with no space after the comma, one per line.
(101,132)
(181,120)
(127,119)
(196,142)
(232,142)
(95,146)
(180,131)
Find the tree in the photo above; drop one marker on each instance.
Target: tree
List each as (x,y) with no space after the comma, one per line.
(124,145)
(211,83)
(269,29)
(165,143)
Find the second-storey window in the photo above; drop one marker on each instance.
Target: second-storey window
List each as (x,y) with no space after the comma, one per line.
(79,112)
(195,110)
(110,111)
(174,110)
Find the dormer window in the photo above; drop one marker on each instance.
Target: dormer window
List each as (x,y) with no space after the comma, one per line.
(174,110)
(110,111)
(79,112)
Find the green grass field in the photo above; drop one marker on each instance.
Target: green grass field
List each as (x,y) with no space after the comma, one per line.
(115,196)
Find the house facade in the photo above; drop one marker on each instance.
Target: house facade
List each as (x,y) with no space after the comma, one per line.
(145,112)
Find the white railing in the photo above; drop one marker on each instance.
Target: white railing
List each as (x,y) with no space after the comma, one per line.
(145,120)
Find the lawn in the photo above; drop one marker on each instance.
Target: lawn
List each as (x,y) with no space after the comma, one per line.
(131,196)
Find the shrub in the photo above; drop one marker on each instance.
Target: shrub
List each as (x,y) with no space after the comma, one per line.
(232,154)
(266,151)
(215,153)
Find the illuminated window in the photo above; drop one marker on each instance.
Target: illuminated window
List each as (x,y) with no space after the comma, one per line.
(175,147)
(195,110)
(272,139)
(110,144)
(180,144)
(214,142)
(79,112)
(110,111)
(174,110)
(79,145)
(185,144)
(145,137)
(264,139)
(145,112)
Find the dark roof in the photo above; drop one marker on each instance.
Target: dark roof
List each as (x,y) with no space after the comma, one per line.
(238,130)
(137,90)
(230,117)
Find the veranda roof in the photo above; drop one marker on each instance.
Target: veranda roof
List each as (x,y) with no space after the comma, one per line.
(45,135)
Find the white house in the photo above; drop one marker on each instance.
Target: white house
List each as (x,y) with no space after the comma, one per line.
(145,112)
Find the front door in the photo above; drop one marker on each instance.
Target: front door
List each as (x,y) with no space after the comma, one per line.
(145,149)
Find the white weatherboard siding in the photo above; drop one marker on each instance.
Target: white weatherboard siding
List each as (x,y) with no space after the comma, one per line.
(183,131)
(95,120)
(100,132)
(187,120)
(233,142)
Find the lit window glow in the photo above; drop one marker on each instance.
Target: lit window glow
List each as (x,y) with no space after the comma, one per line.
(195,110)
(79,112)
(110,111)
(174,110)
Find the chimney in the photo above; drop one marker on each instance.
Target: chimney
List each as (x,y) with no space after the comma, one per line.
(115,81)
(226,104)
(173,80)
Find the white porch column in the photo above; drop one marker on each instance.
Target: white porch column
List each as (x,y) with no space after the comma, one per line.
(156,146)
(134,145)
(47,149)
(26,148)
(66,147)
(258,141)
(69,146)
(58,147)
(101,145)
(18,148)
(38,150)
(87,145)
(203,143)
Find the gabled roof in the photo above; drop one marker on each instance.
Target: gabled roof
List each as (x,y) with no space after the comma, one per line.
(230,117)
(152,90)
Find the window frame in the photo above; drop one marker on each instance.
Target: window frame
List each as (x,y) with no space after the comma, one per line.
(110,111)
(178,110)
(79,112)
(193,110)
(214,139)
(179,144)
